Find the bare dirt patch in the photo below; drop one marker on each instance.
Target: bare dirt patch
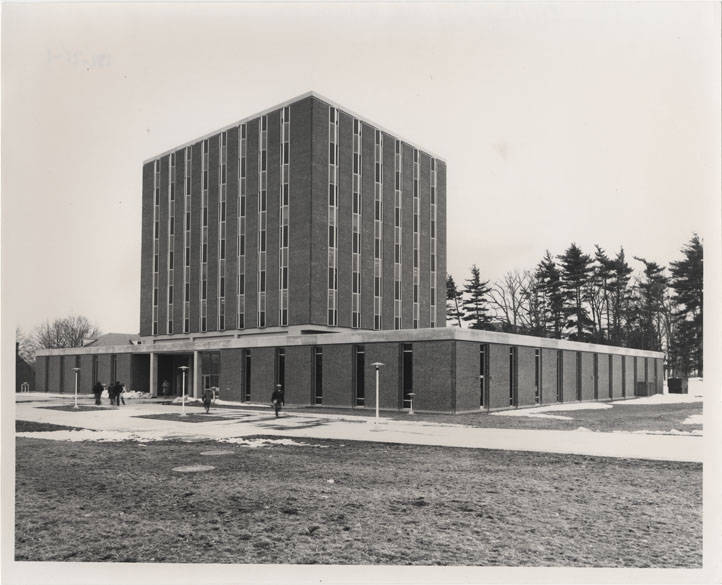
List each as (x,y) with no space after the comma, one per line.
(27,426)
(387,504)
(191,417)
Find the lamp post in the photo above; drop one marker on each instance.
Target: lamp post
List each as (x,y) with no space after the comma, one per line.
(378,366)
(183,369)
(76,370)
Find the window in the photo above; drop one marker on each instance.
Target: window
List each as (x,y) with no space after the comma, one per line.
(512,376)
(359,373)
(537,376)
(482,374)
(318,375)
(281,367)
(407,373)
(247,375)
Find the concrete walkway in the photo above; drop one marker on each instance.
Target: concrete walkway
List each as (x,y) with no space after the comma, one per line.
(125,423)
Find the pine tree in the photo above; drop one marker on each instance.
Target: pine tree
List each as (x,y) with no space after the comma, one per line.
(552,301)
(576,269)
(620,294)
(651,294)
(688,285)
(454,296)
(602,275)
(476,301)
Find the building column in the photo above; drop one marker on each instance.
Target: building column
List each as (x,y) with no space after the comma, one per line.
(196,373)
(153,378)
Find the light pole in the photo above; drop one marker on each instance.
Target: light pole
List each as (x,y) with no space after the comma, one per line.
(377,365)
(183,369)
(76,370)
(411,399)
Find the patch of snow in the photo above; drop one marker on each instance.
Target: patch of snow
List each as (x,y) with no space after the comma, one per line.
(661,399)
(254,443)
(89,435)
(693,419)
(564,407)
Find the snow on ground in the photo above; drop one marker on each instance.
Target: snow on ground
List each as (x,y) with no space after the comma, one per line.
(254,443)
(539,411)
(661,399)
(694,419)
(90,435)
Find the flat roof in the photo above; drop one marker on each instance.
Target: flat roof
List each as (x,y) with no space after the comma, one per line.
(298,98)
(351,336)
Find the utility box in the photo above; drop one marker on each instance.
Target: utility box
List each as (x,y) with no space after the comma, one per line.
(677,385)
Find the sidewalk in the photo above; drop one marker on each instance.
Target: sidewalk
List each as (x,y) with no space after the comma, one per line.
(125,423)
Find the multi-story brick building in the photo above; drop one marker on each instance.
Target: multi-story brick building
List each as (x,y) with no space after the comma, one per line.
(300,246)
(302,215)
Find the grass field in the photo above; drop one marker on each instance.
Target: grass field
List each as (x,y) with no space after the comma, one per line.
(387,504)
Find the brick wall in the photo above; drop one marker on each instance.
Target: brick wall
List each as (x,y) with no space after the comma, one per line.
(526,376)
(617,382)
(146,260)
(468,391)
(69,375)
(298,375)
(345,199)
(85,383)
(569,393)
(629,375)
(441,243)
(549,376)
(140,373)
(434,364)
(498,378)
(231,374)
(104,368)
(603,377)
(337,375)
(251,257)
(55,373)
(262,373)
(41,373)
(587,375)
(272,216)
(389,378)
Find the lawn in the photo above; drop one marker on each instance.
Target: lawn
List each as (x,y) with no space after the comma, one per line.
(387,504)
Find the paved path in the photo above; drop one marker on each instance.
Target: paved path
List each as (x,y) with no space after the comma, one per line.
(130,420)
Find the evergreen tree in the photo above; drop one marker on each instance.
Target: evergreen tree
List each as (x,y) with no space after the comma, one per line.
(551,302)
(619,292)
(602,275)
(476,301)
(454,297)
(687,283)
(576,269)
(650,311)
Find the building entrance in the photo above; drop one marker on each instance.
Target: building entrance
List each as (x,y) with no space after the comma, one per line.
(170,376)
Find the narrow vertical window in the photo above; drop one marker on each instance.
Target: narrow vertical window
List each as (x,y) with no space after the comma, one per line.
(318,375)
(359,379)
(247,375)
(222,202)
(262,218)
(333,150)
(378,226)
(356,210)
(482,374)
(283,203)
(397,234)
(432,247)
(579,375)
(560,375)
(281,367)
(156,241)
(537,376)
(171,240)
(407,352)
(241,296)
(416,239)
(204,237)
(512,376)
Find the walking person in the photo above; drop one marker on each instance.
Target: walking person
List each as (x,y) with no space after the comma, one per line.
(121,391)
(207,397)
(98,391)
(277,398)
(111,393)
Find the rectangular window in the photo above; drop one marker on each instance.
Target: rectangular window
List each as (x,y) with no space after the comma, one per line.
(281,367)
(560,376)
(482,374)
(318,375)
(359,380)
(407,373)
(247,375)
(537,376)
(512,376)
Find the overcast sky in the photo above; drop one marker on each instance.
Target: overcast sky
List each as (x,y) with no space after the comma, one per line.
(594,123)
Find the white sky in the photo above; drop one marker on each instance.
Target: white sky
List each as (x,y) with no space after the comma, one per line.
(593,123)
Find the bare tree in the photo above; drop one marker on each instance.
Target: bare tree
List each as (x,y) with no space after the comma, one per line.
(65,332)
(508,298)
(26,345)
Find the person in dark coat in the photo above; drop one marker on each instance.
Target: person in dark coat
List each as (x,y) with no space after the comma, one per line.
(98,391)
(277,398)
